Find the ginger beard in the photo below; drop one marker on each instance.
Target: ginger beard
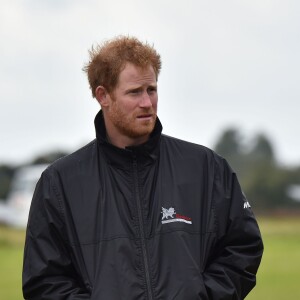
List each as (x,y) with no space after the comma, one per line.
(129,124)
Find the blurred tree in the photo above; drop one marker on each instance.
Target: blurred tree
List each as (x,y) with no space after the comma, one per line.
(6,174)
(48,158)
(229,144)
(262,151)
(264,181)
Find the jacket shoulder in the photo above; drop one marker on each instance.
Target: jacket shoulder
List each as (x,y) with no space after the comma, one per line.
(82,156)
(199,155)
(186,148)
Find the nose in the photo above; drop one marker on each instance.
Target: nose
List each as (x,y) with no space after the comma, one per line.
(146,100)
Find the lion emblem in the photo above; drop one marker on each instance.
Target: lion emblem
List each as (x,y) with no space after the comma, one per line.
(168,213)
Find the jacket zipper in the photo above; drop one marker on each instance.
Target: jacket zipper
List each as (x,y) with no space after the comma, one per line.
(141,227)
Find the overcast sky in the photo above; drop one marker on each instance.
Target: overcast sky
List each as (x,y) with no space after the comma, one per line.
(225,63)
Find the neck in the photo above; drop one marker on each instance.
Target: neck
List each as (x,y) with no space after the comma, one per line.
(121,141)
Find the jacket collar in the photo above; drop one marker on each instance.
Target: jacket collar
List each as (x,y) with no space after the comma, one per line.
(145,153)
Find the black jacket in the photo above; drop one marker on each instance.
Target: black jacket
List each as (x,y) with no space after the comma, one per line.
(164,220)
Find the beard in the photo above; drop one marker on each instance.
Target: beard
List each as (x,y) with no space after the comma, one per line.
(129,125)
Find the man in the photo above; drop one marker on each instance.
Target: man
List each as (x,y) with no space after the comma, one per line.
(136,214)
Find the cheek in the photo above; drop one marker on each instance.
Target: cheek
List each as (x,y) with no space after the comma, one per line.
(127,106)
(154,102)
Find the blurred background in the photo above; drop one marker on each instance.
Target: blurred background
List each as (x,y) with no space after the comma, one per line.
(229,81)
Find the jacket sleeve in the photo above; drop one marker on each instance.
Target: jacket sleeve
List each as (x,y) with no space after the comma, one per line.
(231,271)
(48,271)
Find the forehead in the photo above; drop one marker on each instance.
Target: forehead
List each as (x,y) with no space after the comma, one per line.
(132,74)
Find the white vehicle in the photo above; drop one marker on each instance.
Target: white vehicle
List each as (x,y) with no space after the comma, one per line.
(14,212)
(293,191)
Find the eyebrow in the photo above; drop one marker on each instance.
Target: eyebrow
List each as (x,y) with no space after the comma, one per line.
(136,89)
(133,90)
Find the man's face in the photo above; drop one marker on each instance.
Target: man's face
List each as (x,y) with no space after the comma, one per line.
(132,106)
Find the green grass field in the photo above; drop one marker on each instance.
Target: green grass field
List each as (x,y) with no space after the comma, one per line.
(278,276)
(279,273)
(11,256)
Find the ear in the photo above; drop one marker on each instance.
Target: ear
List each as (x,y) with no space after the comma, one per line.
(102,95)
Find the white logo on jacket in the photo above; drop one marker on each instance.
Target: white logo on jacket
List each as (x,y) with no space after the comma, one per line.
(247,204)
(169,213)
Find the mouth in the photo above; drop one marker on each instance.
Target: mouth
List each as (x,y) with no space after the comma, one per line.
(145,117)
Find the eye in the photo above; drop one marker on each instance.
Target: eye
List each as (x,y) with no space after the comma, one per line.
(152,89)
(135,91)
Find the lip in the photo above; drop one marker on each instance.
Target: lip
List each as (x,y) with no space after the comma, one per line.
(145,116)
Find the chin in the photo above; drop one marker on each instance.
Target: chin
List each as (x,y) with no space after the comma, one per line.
(142,132)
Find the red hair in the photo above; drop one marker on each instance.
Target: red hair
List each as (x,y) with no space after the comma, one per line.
(108,60)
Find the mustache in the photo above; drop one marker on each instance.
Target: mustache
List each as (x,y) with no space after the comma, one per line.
(145,111)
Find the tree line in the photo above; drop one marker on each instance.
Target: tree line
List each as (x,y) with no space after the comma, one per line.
(267,184)
(7,171)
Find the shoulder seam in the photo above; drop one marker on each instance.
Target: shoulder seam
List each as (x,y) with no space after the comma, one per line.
(56,192)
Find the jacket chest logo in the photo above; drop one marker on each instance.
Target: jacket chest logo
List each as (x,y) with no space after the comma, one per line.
(169,216)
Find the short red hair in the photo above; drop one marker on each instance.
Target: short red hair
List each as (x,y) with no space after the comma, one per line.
(107,60)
